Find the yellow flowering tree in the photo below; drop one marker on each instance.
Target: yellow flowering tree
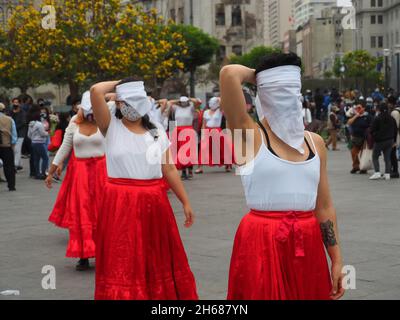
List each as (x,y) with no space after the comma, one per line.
(92,40)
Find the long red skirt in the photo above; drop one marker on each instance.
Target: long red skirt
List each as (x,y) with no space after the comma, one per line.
(140,255)
(77,204)
(216,148)
(184,147)
(279,256)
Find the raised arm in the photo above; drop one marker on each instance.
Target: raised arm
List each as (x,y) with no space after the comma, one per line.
(100,108)
(326,215)
(233,102)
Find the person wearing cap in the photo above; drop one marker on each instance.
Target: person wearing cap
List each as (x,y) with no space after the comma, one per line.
(215,149)
(139,252)
(184,136)
(78,201)
(333,126)
(8,140)
(278,252)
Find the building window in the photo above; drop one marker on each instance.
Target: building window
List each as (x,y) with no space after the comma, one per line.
(380,19)
(220,14)
(373,19)
(380,3)
(181,15)
(222,53)
(380,42)
(172,15)
(373,42)
(236,16)
(237,50)
(2,18)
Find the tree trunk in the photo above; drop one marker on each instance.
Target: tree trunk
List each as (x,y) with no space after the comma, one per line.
(192,83)
(73,90)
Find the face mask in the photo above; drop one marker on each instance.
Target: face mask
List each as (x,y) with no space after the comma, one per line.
(43,115)
(15,106)
(130,113)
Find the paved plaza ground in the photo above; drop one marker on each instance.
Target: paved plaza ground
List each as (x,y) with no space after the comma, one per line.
(368,214)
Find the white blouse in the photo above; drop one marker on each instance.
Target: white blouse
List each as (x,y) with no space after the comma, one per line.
(85,147)
(213,120)
(184,116)
(134,156)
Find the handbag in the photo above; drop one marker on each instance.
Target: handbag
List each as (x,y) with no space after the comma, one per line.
(366,158)
(55,141)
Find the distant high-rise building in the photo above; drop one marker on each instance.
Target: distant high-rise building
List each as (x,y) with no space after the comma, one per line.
(279,19)
(377,29)
(304,10)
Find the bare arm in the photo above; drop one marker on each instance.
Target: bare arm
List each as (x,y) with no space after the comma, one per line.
(233,102)
(99,104)
(326,215)
(171,174)
(352,120)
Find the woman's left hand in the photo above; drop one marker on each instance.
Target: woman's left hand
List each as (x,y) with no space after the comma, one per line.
(337,280)
(189,214)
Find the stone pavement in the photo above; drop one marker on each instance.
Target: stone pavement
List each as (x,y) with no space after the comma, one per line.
(368,214)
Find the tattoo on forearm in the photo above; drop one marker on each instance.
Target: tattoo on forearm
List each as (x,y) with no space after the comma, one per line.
(328,234)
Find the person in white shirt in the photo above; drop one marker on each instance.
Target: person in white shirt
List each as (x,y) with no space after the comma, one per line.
(216,147)
(184,136)
(278,253)
(78,200)
(139,252)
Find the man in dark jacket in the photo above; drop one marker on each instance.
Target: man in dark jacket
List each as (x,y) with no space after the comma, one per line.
(319,102)
(19,117)
(359,124)
(384,132)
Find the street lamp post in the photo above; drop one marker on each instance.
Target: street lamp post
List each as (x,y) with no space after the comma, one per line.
(387,53)
(397,52)
(342,71)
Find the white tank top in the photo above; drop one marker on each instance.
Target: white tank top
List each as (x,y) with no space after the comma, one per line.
(184,116)
(85,147)
(274,184)
(134,156)
(213,120)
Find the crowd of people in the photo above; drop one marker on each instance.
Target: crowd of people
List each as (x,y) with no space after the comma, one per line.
(370,126)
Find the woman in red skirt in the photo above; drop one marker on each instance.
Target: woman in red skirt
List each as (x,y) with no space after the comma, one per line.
(139,252)
(278,253)
(78,200)
(215,147)
(184,136)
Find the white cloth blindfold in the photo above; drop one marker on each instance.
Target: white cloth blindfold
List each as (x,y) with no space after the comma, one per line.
(214,103)
(134,94)
(86,104)
(279,101)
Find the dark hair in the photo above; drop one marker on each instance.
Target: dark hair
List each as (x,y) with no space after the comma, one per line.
(63,123)
(146,123)
(277,60)
(13,99)
(34,113)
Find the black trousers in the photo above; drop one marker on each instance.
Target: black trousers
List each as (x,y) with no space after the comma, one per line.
(7,156)
(395,161)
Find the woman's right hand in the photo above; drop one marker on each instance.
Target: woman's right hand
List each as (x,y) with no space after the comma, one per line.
(49,181)
(59,170)
(189,214)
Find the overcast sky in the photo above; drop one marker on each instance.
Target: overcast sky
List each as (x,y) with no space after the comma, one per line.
(344,3)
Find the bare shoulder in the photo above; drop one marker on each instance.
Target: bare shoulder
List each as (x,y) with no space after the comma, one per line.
(319,143)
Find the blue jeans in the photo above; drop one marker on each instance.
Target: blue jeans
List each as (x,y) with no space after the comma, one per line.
(39,152)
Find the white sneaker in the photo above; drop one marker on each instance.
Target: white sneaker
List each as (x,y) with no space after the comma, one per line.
(376,176)
(387,177)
